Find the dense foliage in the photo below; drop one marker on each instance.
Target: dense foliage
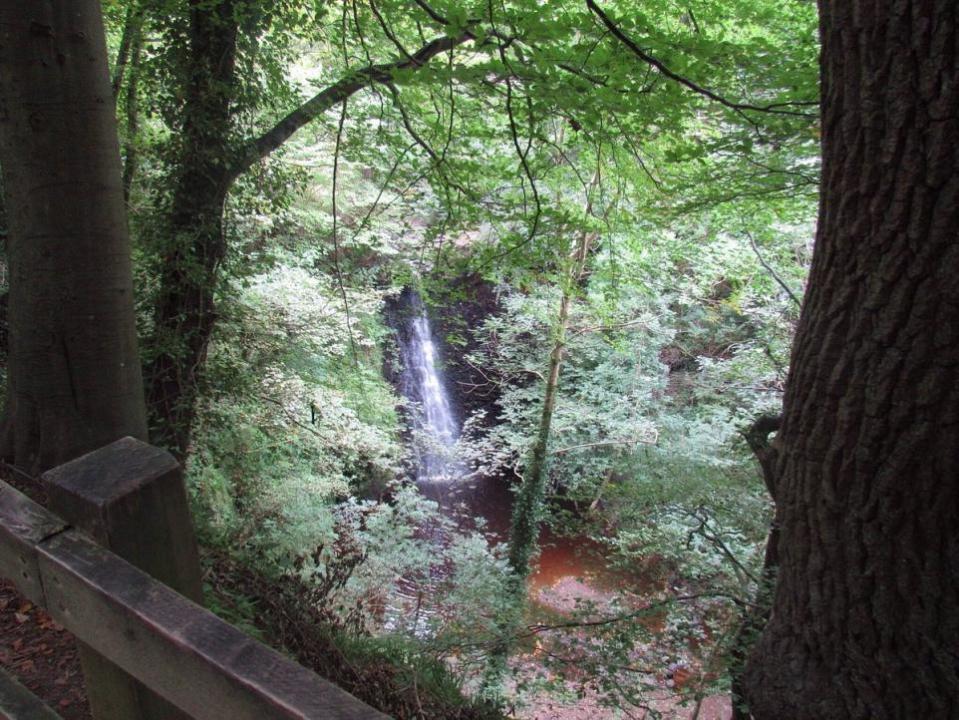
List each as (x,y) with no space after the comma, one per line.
(292,166)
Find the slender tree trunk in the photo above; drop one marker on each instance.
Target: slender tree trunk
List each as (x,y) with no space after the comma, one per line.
(865,620)
(528,506)
(131,108)
(524,531)
(74,379)
(129,41)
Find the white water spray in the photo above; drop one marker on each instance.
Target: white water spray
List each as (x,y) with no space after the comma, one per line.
(435,428)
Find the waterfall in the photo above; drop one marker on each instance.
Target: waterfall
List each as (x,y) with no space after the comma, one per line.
(435,428)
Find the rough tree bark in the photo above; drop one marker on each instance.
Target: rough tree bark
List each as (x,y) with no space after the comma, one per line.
(865,620)
(74,379)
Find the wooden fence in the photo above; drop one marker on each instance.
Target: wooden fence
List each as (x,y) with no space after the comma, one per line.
(148,651)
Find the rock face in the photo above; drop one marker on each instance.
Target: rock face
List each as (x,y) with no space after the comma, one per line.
(462,308)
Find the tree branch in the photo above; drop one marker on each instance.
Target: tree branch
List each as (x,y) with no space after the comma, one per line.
(432,13)
(259,148)
(650,609)
(604,443)
(437,160)
(389,32)
(620,35)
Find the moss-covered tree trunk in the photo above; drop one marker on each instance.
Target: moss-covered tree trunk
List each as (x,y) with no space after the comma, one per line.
(865,619)
(194,245)
(528,506)
(524,531)
(74,380)
(527,509)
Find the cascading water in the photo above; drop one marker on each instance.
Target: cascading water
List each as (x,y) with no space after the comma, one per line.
(435,428)
(434,432)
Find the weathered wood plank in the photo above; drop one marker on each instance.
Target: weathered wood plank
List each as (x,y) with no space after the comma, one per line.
(201,664)
(130,497)
(18,703)
(23,525)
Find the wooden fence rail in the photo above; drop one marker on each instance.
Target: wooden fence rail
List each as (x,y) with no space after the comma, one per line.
(184,654)
(18,703)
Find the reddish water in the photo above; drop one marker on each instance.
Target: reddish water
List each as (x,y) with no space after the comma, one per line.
(572,569)
(572,560)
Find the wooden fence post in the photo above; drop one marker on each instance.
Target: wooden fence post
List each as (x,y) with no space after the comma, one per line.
(130,498)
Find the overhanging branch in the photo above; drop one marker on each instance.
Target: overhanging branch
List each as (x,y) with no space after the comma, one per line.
(261,147)
(619,34)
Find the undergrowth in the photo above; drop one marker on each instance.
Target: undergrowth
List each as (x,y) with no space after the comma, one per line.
(387,673)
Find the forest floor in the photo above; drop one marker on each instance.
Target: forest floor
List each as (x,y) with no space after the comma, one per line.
(715,707)
(43,656)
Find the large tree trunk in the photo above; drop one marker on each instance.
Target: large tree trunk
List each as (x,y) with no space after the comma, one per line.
(74,379)
(865,621)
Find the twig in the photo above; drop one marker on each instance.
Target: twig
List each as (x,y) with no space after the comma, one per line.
(388,32)
(336,244)
(532,630)
(19,471)
(772,272)
(698,89)
(602,443)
